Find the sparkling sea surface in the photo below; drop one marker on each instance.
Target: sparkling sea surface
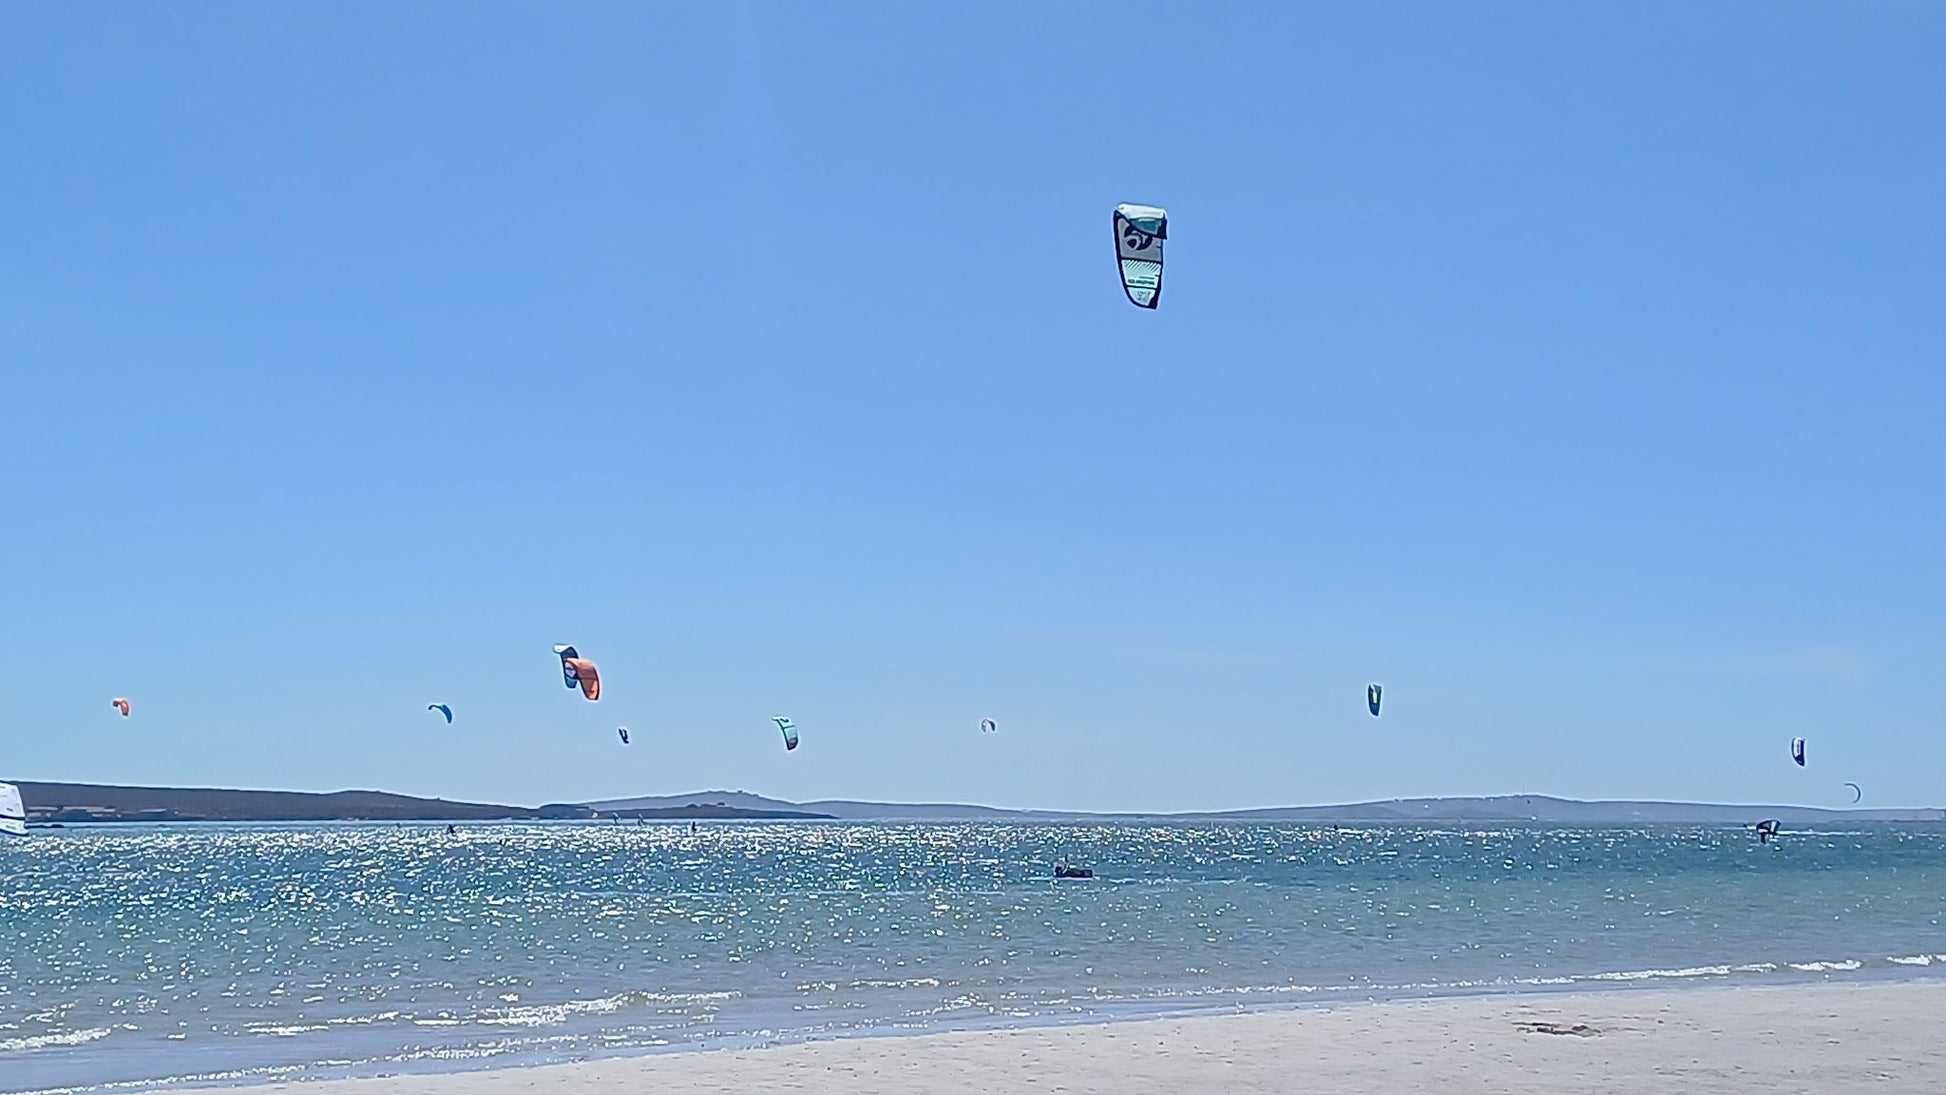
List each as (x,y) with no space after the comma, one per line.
(149,955)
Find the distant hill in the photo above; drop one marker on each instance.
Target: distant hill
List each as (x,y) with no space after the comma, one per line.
(834,808)
(1569,811)
(739,799)
(1542,808)
(703,811)
(80,802)
(71,802)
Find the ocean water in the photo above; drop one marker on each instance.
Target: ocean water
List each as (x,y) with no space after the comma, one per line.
(141,956)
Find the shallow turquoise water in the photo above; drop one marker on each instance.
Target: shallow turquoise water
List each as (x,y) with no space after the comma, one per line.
(153,954)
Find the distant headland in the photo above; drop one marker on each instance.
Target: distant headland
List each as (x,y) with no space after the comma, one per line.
(65,803)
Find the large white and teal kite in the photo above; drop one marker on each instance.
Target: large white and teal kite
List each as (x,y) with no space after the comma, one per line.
(1139,232)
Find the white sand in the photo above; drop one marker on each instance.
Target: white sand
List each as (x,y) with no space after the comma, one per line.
(1822,1039)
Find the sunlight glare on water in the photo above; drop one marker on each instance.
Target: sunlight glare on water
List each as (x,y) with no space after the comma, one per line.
(143,954)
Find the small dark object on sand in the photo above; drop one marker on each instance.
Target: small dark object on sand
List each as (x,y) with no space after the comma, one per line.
(1579,1030)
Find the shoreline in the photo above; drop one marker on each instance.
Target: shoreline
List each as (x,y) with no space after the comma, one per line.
(157,961)
(1049,1044)
(1817,1037)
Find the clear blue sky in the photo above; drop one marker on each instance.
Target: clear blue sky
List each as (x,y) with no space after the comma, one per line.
(1577,371)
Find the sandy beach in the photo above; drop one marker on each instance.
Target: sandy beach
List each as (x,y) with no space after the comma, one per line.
(1814,1038)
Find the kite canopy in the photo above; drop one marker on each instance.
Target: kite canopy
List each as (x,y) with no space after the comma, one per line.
(622,732)
(987,726)
(119,704)
(1139,232)
(1766,829)
(577,671)
(13,815)
(790,731)
(1857,792)
(442,709)
(1372,694)
(1797,751)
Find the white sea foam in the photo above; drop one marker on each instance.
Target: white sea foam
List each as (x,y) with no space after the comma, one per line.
(43,1041)
(541,1015)
(1651,975)
(285,1030)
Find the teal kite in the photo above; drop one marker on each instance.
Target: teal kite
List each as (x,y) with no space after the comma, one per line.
(579,672)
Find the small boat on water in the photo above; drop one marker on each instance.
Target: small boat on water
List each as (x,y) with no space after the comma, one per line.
(1062,870)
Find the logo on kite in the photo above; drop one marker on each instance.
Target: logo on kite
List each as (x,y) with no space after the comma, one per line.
(1372,694)
(577,671)
(442,709)
(622,732)
(1139,232)
(119,704)
(987,726)
(789,729)
(1797,751)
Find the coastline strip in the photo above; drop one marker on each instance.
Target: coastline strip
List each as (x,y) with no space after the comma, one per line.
(1827,1039)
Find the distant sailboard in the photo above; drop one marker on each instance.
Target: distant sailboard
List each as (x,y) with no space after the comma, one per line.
(13,815)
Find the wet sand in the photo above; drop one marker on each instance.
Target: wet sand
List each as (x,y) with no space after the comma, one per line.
(1823,1039)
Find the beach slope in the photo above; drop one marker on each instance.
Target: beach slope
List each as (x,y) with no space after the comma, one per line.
(1828,1039)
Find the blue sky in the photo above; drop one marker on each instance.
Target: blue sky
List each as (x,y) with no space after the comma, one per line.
(1573,370)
